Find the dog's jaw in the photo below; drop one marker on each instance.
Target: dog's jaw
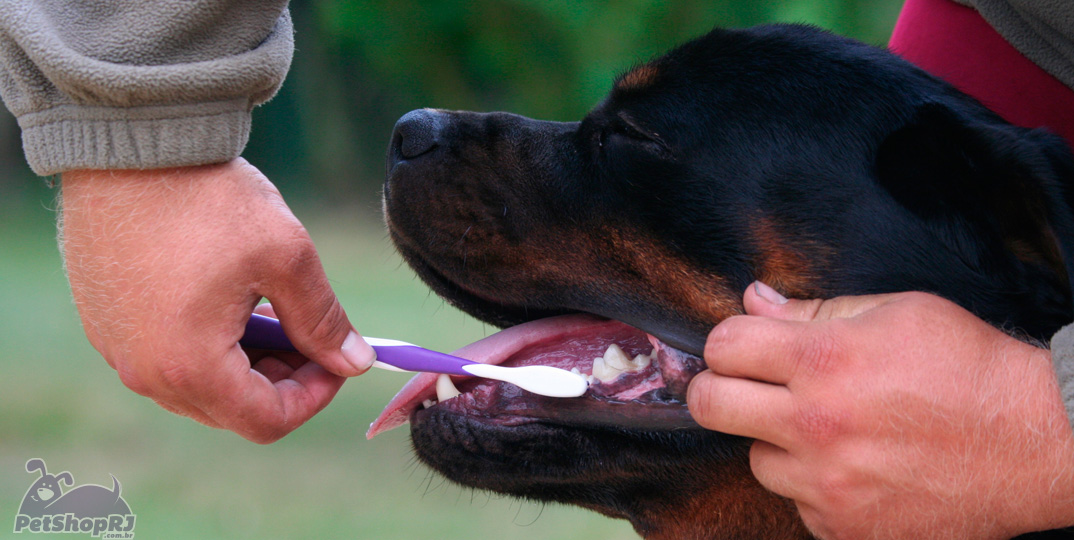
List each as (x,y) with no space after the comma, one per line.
(614,457)
(636,381)
(714,494)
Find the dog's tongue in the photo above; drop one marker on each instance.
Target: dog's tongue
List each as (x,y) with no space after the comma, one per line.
(496,349)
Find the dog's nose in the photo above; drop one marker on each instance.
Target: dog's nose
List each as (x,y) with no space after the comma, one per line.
(416,133)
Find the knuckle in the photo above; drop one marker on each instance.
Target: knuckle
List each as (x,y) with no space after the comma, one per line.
(831,309)
(325,328)
(265,435)
(922,306)
(818,351)
(175,375)
(298,253)
(132,380)
(919,297)
(819,426)
(835,487)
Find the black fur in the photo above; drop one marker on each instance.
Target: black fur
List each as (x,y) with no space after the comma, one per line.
(823,165)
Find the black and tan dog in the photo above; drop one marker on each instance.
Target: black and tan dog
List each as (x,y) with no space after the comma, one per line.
(815,163)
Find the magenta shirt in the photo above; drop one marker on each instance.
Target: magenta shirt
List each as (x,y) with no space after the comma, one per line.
(955,43)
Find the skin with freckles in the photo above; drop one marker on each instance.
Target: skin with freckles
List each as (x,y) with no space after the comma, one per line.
(891,416)
(166,266)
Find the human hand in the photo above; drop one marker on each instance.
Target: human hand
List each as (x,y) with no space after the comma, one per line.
(166,266)
(891,416)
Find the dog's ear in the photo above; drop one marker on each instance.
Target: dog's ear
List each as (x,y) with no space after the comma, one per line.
(1010,186)
(65,478)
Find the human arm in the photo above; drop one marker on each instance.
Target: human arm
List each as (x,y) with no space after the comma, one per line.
(871,409)
(166,264)
(139,84)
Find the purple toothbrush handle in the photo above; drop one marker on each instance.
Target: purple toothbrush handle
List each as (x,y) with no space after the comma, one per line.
(267,333)
(414,358)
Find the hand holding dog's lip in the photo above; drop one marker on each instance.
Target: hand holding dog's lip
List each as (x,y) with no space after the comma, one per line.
(825,388)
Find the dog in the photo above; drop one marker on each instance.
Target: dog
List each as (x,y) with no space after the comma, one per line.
(783,153)
(45,498)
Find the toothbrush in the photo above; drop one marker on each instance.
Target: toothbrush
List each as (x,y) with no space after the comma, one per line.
(266,333)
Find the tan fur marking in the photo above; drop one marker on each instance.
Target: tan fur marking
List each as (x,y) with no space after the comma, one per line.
(638,78)
(734,505)
(778,265)
(618,256)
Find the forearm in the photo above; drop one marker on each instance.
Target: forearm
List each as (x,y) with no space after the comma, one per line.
(139,84)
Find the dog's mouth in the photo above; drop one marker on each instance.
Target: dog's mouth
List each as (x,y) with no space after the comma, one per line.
(636,381)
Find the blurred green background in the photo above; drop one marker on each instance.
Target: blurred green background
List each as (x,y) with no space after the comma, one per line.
(359,65)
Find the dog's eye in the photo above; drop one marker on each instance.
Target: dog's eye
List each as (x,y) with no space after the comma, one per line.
(623,134)
(630,133)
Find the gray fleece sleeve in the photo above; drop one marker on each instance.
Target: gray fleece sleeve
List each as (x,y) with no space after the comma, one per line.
(139,83)
(1063,358)
(1042,30)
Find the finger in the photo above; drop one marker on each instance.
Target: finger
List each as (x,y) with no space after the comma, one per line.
(758,348)
(776,469)
(740,407)
(155,388)
(234,396)
(266,310)
(313,318)
(189,412)
(273,369)
(292,359)
(815,521)
(760,299)
(245,401)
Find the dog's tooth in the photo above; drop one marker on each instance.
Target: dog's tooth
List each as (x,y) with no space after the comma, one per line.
(616,358)
(575,371)
(427,403)
(640,362)
(603,371)
(445,389)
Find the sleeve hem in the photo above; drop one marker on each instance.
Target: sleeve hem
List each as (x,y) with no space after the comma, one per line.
(70,137)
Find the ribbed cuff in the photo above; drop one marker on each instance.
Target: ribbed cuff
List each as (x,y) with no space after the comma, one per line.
(1063,358)
(71,137)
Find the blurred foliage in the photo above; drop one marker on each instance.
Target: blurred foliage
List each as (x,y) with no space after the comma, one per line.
(361,64)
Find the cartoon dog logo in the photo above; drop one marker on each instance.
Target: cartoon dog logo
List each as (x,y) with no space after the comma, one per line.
(88,508)
(44,497)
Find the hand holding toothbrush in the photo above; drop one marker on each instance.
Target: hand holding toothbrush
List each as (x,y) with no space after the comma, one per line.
(165,268)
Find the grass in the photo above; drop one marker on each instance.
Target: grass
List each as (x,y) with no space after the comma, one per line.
(61,402)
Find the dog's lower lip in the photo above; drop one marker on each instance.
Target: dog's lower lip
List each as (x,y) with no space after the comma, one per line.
(583,412)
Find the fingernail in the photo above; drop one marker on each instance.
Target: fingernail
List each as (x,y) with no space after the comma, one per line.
(357,352)
(768,293)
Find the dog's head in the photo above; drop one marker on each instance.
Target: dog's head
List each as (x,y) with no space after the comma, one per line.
(45,490)
(817,164)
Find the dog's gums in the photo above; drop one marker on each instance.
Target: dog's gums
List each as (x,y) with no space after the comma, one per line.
(635,380)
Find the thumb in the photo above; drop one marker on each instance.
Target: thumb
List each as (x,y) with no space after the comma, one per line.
(316,323)
(762,300)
